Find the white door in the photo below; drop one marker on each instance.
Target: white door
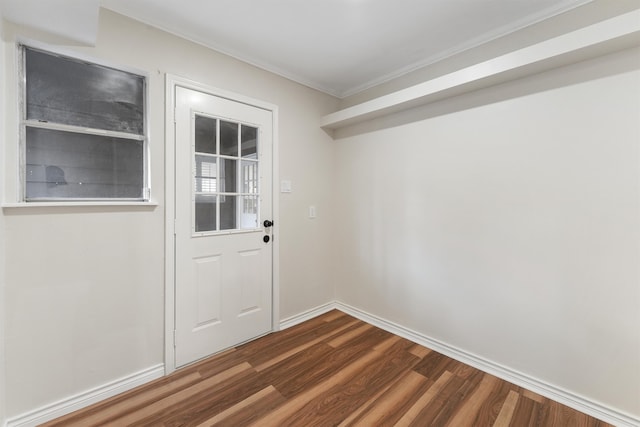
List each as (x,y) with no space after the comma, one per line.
(223,210)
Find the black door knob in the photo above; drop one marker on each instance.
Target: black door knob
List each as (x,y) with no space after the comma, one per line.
(267,223)
(266,239)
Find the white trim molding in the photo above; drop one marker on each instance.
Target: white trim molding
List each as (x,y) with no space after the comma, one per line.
(84,399)
(550,391)
(572,400)
(307,315)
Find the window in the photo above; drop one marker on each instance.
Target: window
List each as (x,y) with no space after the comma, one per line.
(225,171)
(83,130)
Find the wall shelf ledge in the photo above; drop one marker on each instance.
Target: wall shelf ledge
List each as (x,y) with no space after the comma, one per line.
(618,33)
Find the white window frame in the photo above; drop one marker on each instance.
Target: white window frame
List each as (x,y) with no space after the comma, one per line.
(24,123)
(221,193)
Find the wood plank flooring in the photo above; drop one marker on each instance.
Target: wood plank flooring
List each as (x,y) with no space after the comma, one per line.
(333,370)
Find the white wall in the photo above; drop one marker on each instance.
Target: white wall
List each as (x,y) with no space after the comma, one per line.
(85,285)
(2,239)
(506,223)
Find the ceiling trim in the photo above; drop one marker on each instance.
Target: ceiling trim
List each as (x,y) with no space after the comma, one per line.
(235,55)
(561,7)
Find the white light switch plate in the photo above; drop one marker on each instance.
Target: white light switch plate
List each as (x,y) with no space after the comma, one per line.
(285,186)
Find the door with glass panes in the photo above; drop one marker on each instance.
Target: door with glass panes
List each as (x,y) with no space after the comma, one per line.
(223,210)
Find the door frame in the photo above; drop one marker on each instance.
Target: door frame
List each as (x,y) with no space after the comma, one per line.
(171,82)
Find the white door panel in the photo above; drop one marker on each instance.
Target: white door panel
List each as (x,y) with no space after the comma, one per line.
(223,195)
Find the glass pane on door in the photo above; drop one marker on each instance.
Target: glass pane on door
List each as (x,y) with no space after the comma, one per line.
(249,214)
(228,216)
(228,174)
(205,212)
(225,173)
(206,174)
(249,177)
(249,142)
(206,135)
(229,138)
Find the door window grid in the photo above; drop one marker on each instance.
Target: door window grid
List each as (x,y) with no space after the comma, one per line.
(227,164)
(250,186)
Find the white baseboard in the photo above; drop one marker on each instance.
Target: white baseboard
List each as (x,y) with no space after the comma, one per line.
(89,397)
(595,409)
(306,315)
(550,391)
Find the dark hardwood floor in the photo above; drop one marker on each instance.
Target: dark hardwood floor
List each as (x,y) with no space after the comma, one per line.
(333,370)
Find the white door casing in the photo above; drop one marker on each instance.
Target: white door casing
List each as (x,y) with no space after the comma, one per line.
(223,288)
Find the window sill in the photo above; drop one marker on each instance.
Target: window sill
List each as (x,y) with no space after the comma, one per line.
(61,204)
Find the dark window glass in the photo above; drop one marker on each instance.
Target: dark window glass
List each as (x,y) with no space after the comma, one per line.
(72,92)
(229,138)
(84,135)
(205,135)
(75,165)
